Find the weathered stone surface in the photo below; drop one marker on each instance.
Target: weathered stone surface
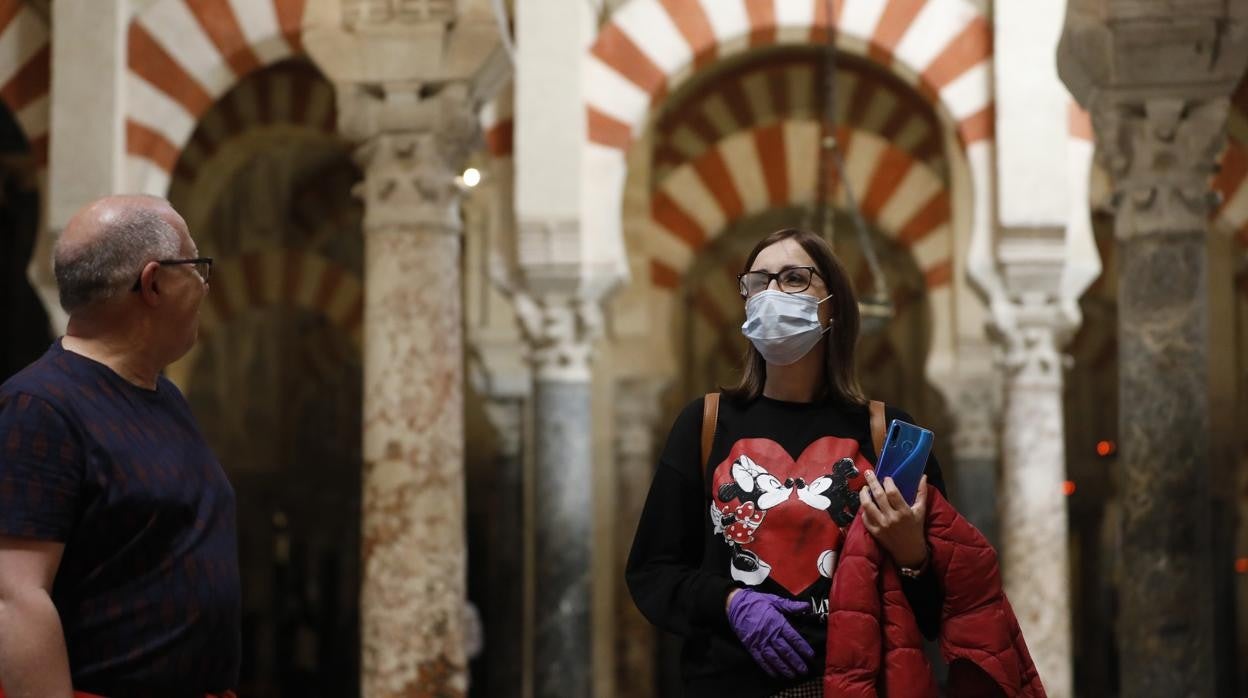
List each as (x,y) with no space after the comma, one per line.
(563,518)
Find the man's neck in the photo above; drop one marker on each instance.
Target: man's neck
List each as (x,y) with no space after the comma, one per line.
(116,354)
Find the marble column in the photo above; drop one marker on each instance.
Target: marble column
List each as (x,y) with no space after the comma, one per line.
(636,416)
(1155,78)
(1166,638)
(1034,553)
(411,146)
(977,450)
(561,329)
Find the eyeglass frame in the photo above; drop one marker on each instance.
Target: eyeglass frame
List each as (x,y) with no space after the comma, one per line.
(775,276)
(206,261)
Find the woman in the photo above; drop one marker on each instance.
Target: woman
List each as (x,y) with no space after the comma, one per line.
(736,554)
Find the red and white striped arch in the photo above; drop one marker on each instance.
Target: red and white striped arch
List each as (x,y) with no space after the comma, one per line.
(650,47)
(775,166)
(284,277)
(25,77)
(182,56)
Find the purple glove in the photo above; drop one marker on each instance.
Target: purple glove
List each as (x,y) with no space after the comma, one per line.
(758,619)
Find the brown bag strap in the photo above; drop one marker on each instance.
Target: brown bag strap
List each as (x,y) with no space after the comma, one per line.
(710,417)
(877,427)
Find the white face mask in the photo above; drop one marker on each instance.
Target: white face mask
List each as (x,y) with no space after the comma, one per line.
(784,327)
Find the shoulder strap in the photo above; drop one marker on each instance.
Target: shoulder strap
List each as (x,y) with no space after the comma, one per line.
(710,417)
(877,426)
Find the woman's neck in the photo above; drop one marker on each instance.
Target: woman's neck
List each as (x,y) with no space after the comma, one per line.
(801,381)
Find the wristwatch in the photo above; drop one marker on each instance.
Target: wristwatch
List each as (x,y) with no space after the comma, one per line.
(916,572)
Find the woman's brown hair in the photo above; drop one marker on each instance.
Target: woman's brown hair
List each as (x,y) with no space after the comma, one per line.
(841,380)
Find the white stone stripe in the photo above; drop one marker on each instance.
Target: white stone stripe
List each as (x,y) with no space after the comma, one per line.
(258,20)
(801,145)
(669,249)
(758,96)
(933,248)
(860,17)
(687,143)
(689,192)
(969,93)
(912,134)
(802,91)
(741,157)
(914,191)
(281,98)
(159,113)
(794,19)
(23,38)
(940,300)
(652,30)
(247,103)
(144,176)
(33,118)
(846,85)
(172,25)
(860,163)
(320,105)
(881,107)
(613,94)
(730,22)
(933,28)
(718,113)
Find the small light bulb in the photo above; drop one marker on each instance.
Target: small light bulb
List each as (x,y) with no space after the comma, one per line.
(471,177)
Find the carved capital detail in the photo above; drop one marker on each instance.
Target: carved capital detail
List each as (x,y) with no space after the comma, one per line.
(365,15)
(412,146)
(1030,333)
(560,331)
(1160,154)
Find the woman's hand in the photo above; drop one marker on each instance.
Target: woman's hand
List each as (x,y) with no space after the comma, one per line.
(894,524)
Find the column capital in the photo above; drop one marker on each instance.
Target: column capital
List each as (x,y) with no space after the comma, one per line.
(413,143)
(560,330)
(1030,332)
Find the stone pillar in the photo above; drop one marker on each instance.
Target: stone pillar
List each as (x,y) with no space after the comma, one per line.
(411,147)
(562,329)
(977,449)
(1165,641)
(636,415)
(1032,505)
(89,55)
(1155,78)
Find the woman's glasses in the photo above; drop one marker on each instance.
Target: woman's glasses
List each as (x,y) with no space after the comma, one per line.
(789,279)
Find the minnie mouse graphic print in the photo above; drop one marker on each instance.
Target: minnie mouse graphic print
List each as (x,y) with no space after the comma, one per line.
(766,511)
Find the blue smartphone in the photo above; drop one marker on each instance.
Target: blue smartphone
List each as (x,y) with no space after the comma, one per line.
(904,457)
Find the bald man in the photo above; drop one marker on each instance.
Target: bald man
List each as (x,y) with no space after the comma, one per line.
(118,548)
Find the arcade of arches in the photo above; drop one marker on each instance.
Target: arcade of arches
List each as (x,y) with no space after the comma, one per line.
(440,402)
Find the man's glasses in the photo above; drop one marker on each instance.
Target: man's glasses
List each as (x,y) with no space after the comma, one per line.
(201,265)
(790,280)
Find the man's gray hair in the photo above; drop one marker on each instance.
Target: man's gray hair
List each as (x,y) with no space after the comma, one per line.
(112,260)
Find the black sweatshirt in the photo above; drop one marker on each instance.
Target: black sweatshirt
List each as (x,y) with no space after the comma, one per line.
(764,512)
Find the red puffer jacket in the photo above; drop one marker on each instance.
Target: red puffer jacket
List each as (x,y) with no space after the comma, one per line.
(874,644)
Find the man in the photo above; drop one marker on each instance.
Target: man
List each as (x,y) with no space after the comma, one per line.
(118,548)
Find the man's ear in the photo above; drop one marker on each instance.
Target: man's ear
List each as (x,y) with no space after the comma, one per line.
(149,291)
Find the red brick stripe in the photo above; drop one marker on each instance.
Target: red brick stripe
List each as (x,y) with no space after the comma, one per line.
(146,143)
(664,276)
(607,130)
(219,23)
(762,14)
(149,60)
(714,173)
(895,20)
(290,19)
(667,213)
(8,10)
(692,23)
(938,274)
(31,82)
(933,214)
(769,141)
(617,51)
(892,167)
(981,125)
(971,46)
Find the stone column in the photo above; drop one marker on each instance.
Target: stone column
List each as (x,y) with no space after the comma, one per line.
(636,415)
(411,146)
(89,55)
(977,449)
(1155,78)
(1032,504)
(562,329)
(1165,640)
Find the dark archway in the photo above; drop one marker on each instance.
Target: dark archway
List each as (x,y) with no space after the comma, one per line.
(23,321)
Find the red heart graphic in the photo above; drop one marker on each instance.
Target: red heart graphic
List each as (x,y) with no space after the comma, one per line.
(791,534)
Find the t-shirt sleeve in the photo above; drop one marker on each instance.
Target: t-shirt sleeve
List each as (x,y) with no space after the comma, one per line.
(40,469)
(663,571)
